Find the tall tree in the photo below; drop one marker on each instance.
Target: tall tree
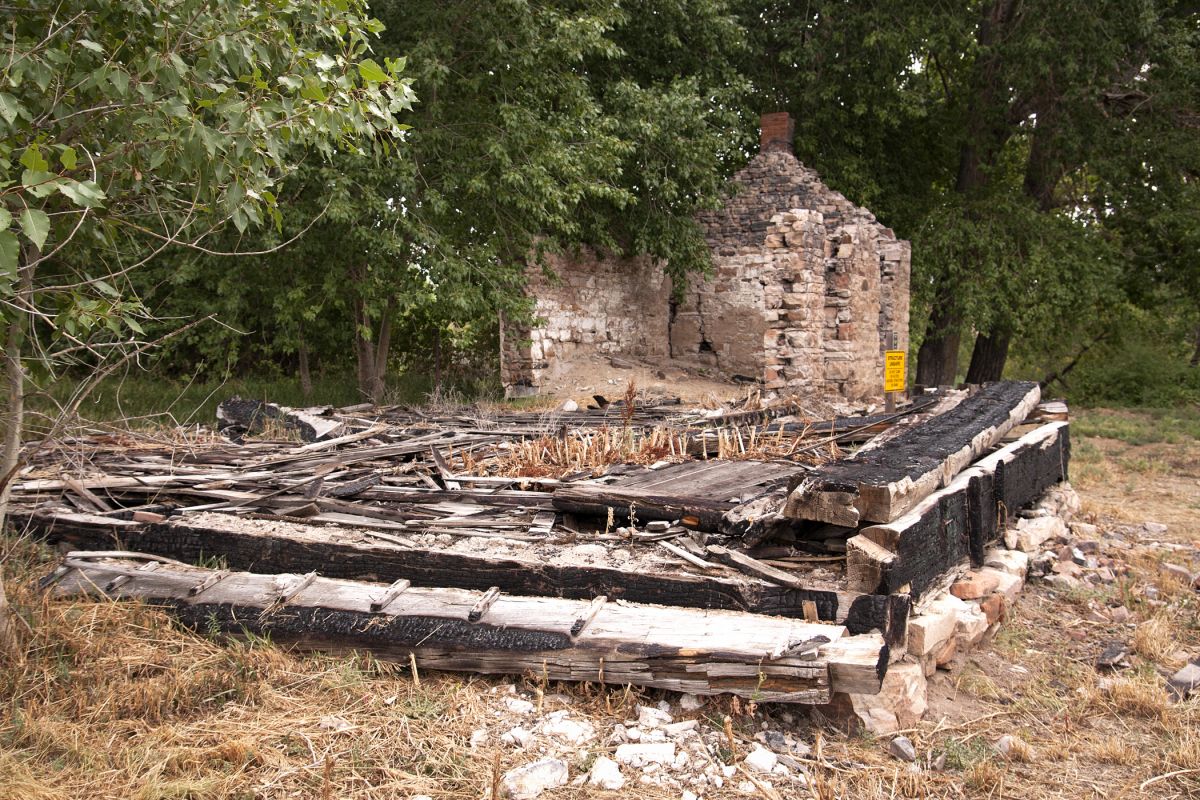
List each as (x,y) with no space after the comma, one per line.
(127,130)
(976,131)
(543,125)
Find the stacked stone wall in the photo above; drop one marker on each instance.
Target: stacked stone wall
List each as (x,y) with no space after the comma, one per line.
(589,305)
(806,292)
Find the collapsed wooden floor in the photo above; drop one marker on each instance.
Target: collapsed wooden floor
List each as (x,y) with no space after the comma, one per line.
(638,505)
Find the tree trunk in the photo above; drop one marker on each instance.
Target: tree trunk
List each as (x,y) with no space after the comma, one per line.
(985,136)
(306,385)
(372,349)
(437,362)
(10,455)
(937,360)
(1195,362)
(988,357)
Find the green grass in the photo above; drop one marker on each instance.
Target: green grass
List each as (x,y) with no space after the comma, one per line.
(1137,426)
(143,399)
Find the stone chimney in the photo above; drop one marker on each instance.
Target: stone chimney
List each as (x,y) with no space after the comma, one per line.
(778,132)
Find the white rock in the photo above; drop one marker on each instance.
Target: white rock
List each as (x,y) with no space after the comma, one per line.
(690,702)
(606,774)
(529,781)
(634,734)
(761,760)
(901,701)
(1030,534)
(619,734)
(638,755)
(517,737)
(681,760)
(518,706)
(650,717)
(746,787)
(902,748)
(570,405)
(335,724)
(690,795)
(728,770)
(676,728)
(479,737)
(568,730)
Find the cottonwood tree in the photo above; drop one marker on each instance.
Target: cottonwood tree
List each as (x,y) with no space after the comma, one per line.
(130,129)
(542,124)
(1007,139)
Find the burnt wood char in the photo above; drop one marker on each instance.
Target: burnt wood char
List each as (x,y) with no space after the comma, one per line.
(958,523)
(880,484)
(295,547)
(682,649)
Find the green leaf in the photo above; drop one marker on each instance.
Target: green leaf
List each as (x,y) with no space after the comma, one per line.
(5,218)
(85,194)
(68,157)
(371,72)
(39,183)
(90,45)
(105,287)
(9,107)
(33,159)
(9,248)
(36,225)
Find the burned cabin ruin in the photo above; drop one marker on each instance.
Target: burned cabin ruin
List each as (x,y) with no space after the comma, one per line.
(807,292)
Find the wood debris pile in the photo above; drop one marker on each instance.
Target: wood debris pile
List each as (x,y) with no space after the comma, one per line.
(706,551)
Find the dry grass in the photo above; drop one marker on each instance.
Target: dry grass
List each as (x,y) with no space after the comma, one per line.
(115,701)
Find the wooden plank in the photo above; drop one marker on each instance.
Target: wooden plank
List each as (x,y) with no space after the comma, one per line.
(956,524)
(694,650)
(647,504)
(679,552)
(589,614)
(882,484)
(483,604)
(297,547)
(395,590)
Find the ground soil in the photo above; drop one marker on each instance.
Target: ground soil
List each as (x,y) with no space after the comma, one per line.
(114,701)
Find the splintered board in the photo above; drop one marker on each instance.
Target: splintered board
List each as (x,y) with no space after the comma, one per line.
(701,491)
(609,641)
(884,483)
(520,568)
(955,525)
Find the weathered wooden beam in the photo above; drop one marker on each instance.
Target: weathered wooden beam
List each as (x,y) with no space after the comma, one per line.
(598,500)
(293,546)
(956,524)
(682,649)
(881,484)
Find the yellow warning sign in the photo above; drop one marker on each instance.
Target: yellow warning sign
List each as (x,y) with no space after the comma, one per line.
(895,370)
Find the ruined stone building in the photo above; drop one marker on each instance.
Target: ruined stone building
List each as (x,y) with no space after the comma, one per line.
(807,292)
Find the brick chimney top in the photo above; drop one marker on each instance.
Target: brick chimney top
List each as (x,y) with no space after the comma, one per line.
(778,132)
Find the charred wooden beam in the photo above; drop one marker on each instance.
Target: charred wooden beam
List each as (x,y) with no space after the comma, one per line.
(682,649)
(956,524)
(881,484)
(284,546)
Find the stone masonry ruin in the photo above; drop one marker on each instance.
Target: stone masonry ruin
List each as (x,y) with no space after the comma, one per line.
(807,292)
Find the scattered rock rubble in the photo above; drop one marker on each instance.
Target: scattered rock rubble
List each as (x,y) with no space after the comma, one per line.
(666,746)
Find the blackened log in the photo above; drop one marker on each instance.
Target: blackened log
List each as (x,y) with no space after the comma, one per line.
(881,484)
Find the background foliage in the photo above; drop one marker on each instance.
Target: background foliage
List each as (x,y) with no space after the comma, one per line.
(1041,156)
